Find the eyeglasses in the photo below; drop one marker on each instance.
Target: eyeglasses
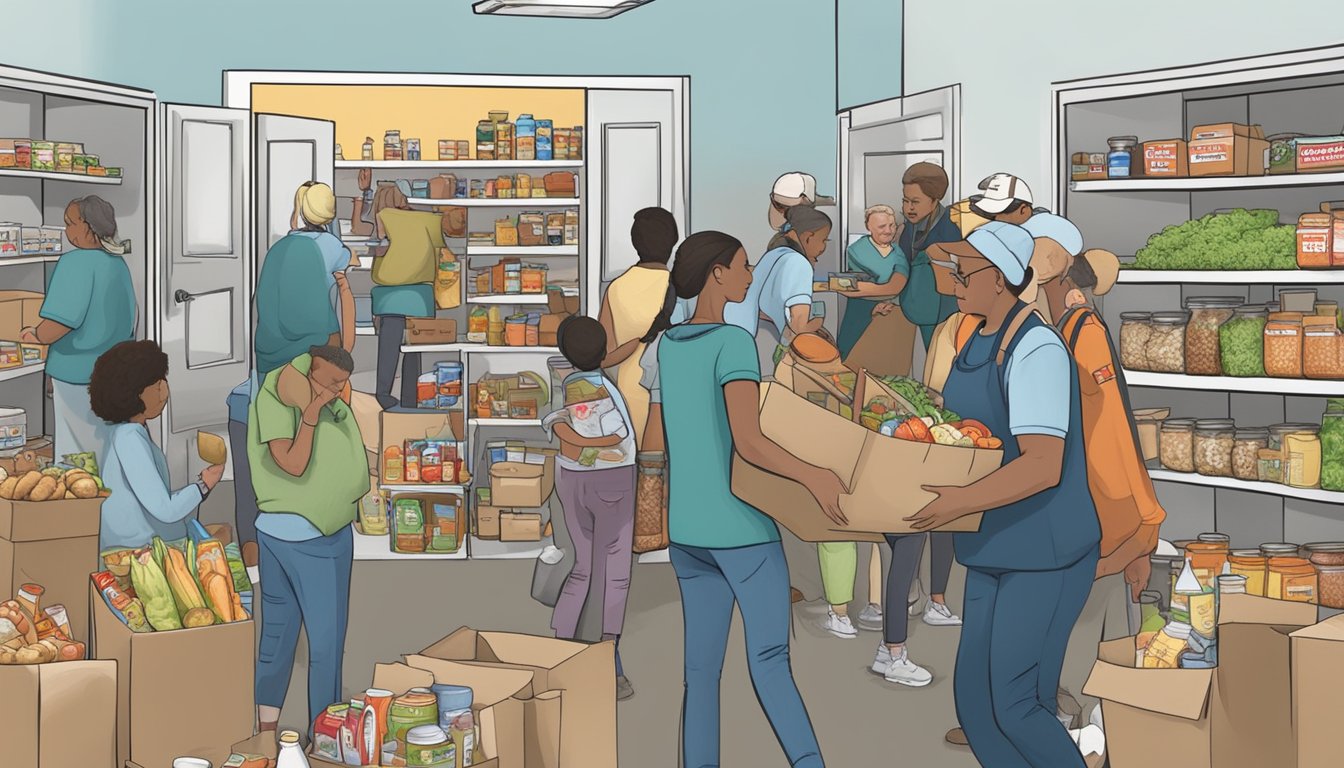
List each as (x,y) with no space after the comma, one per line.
(965,279)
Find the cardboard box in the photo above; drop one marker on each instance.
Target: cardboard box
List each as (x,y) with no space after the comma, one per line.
(550,325)
(263,744)
(431,330)
(1085,166)
(879,498)
(498,699)
(1228,149)
(59,715)
(1168,158)
(54,544)
(18,310)
(181,692)
(1320,155)
(1318,673)
(557,303)
(583,675)
(522,485)
(486,523)
(520,526)
(1237,716)
(396,427)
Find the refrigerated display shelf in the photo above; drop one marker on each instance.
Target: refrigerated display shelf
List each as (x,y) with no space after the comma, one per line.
(76,178)
(465,165)
(1232,484)
(1233,277)
(1207,183)
(1303,387)
(19,371)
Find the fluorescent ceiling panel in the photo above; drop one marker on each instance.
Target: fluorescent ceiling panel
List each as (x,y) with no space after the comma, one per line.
(560,9)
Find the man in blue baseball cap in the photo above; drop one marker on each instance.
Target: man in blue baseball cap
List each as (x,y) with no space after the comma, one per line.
(1031,564)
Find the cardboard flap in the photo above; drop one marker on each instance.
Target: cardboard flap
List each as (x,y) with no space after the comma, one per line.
(1180,693)
(794,423)
(509,470)
(458,646)
(1249,609)
(543,733)
(1332,630)
(489,685)
(400,678)
(526,650)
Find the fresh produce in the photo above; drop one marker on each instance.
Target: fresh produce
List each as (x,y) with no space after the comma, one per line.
(85,461)
(152,588)
(1238,239)
(51,484)
(1332,446)
(198,617)
(186,595)
(217,580)
(919,397)
(34,637)
(218,590)
(210,447)
(1241,345)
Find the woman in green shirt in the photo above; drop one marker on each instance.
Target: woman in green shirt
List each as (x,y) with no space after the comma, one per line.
(883,263)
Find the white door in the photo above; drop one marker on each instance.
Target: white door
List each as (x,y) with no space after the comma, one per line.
(636,159)
(204,277)
(289,152)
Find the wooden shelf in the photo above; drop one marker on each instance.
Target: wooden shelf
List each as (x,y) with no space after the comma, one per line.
(1304,387)
(482,202)
(1233,277)
(465,165)
(77,178)
(19,371)
(1233,484)
(1207,183)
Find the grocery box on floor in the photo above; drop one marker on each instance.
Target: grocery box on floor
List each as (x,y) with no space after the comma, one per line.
(52,543)
(499,699)
(1318,676)
(878,498)
(180,692)
(1235,716)
(59,715)
(584,676)
(259,745)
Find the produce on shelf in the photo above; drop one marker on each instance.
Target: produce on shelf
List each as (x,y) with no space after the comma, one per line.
(1236,240)
(1332,445)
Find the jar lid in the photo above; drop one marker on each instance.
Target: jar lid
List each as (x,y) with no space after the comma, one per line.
(1245,553)
(1136,316)
(1286,317)
(1324,546)
(1219,425)
(1213,302)
(1217,538)
(1327,321)
(1289,427)
(1289,562)
(426,735)
(1252,309)
(1269,454)
(1171,318)
(1178,424)
(1279,548)
(1252,433)
(1114,140)
(452,698)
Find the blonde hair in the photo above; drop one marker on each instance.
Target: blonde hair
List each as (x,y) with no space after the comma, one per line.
(315,204)
(876,209)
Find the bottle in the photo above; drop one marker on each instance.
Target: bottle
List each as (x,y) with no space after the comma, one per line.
(366,152)
(1186,586)
(545,129)
(340,154)
(525,138)
(291,752)
(1165,650)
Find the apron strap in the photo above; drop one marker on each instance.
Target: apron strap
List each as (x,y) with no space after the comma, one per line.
(1010,332)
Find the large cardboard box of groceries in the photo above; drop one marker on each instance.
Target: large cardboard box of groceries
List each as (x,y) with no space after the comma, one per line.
(59,715)
(1235,716)
(54,544)
(879,498)
(180,692)
(1317,678)
(576,678)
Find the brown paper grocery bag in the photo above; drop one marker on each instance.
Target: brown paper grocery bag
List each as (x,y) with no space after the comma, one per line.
(887,348)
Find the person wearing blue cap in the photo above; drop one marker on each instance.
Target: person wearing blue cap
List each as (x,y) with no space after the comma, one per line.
(1030,565)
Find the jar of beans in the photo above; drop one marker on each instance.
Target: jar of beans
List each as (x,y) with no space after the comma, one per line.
(1166,344)
(1321,350)
(1176,447)
(1207,314)
(1246,447)
(1136,329)
(1283,345)
(1213,441)
(1329,562)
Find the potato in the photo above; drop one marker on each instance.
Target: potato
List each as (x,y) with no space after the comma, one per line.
(59,493)
(84,488)
(26,485)
(211,448)
(74,474)
(9,488)
(198,617)
(45,489)
(4,474)
(70,495)
(30,654)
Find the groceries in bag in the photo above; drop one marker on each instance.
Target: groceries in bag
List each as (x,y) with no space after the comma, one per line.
(31,633)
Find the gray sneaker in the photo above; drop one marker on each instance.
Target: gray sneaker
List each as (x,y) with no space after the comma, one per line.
(871,617)
(624,689)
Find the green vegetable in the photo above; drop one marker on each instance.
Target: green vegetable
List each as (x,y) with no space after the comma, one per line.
(151,586)
(1238,239)
(1332,446)
(85,461)
(1242,347)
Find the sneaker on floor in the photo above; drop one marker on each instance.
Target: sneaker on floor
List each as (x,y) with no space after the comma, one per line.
(957,737)
(903,671)
(624,689)
(840,626)
(939,615)
(882,660)
(871,617)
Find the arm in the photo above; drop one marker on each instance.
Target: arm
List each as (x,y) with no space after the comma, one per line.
(347,298)
(45,332)
(291,454)
(801,320)
(137,461)
(892,287)
(654,439)
(1137,547)
(621,353)
(567,434)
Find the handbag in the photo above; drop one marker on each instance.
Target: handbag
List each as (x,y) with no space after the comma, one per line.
(549,575)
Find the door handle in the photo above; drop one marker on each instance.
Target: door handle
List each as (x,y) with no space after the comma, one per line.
(182,297)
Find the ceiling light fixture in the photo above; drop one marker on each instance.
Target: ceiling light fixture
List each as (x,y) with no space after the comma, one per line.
(560,9)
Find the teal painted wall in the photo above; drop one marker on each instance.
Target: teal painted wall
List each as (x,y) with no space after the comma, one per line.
(746,126)
(869,47)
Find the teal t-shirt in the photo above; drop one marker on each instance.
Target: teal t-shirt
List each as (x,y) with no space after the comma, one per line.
(695,362)
(294,311)
(90,293)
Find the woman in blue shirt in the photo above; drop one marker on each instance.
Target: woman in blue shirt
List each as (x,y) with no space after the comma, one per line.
(1030,567)
(128,389)
(723,550)
(90,306)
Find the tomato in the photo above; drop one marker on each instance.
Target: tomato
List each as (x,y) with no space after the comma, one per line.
(976,425)
(903,432)
(918,428)
(972,432)
(989,443)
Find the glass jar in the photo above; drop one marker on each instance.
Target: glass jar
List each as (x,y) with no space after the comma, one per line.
(1150,612)
(1321,350)
(1331,552)
(1283,345)
(1251,564)
(1292,579)
(1328,309)
(1213,441)
(1279,549)
(1278,431)
(1246,447)
(1270,466)
(1136,329)
(1121,161)
(1330,585)
(1241,342)
(1302,458)
(1207,559)
(1207,315)
(1215,538)
(1332,446)
(1176,449)
(1166,343)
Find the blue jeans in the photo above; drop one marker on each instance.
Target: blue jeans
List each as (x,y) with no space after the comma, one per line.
(304,583)
(757,578)
(1016,629)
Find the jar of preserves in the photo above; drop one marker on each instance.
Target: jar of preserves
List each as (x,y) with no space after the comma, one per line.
(1270,466)
(1332,446)
(1291,578)
(1136,329)
(1121,161)
(1166,343)
(1241,342)
(1213,442)
(1302,458)
(1215,538)
(1321,350)
(1279,549)
(1278,431)
(1330,585)
(1207,559)
(1283,345)
(1207,315)
(1246,447)
(1251,564)
(1176,448)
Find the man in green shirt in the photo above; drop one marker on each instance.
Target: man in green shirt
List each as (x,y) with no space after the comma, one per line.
(309,471)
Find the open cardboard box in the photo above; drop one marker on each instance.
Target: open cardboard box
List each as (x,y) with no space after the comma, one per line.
(878,498)
(51,543)
(18,310)
(525,484)
(1317,676)
(59,715)
(396,427)
(1235,716)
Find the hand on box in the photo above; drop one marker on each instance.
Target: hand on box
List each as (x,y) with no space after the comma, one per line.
(212,475)
(883,309)
(945,509)
(1137,574)
(29,336)
(826,488)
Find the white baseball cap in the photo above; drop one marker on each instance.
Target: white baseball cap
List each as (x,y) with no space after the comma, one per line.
(791,188)
(1000,192)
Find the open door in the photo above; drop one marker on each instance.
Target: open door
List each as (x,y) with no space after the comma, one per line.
(289,152)
(204,272)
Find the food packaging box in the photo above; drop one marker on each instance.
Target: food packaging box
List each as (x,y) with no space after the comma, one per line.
(515,484)
(18,310)
(576,679)
(1228,149)
(13,428)
(1235,716)
(431,330)
(560,304)
(487,522)
(1298,300)
(1148,421)
(52,543)
(520,526)
(531,229)
(59,715)
(1318,673)
(396,427)
(162,671)
(550,326)
(1088,166)
(506,233)
(1320,155)
(879,499)
(1168,158)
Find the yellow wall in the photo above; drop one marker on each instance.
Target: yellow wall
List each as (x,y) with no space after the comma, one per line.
(428,113)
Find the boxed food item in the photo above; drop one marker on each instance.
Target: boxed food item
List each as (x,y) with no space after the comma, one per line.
(44,156)
(1317,674)
(59,715)
(1168,158)
(51,543)
(13,428)
(531,229)
(1089,166)
(18,310)
(431,330)
(396,429)
(526,484)
(487,522)
(506,232)
(1320,155)
(1283,153)
(11,239)
(1314,237)
(520,526)
(549,327)
(1228,149)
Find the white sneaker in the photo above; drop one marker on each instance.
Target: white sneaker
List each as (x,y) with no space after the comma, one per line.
(840,626)
(903,671)
(871,617)
(939,615)
(882,660)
